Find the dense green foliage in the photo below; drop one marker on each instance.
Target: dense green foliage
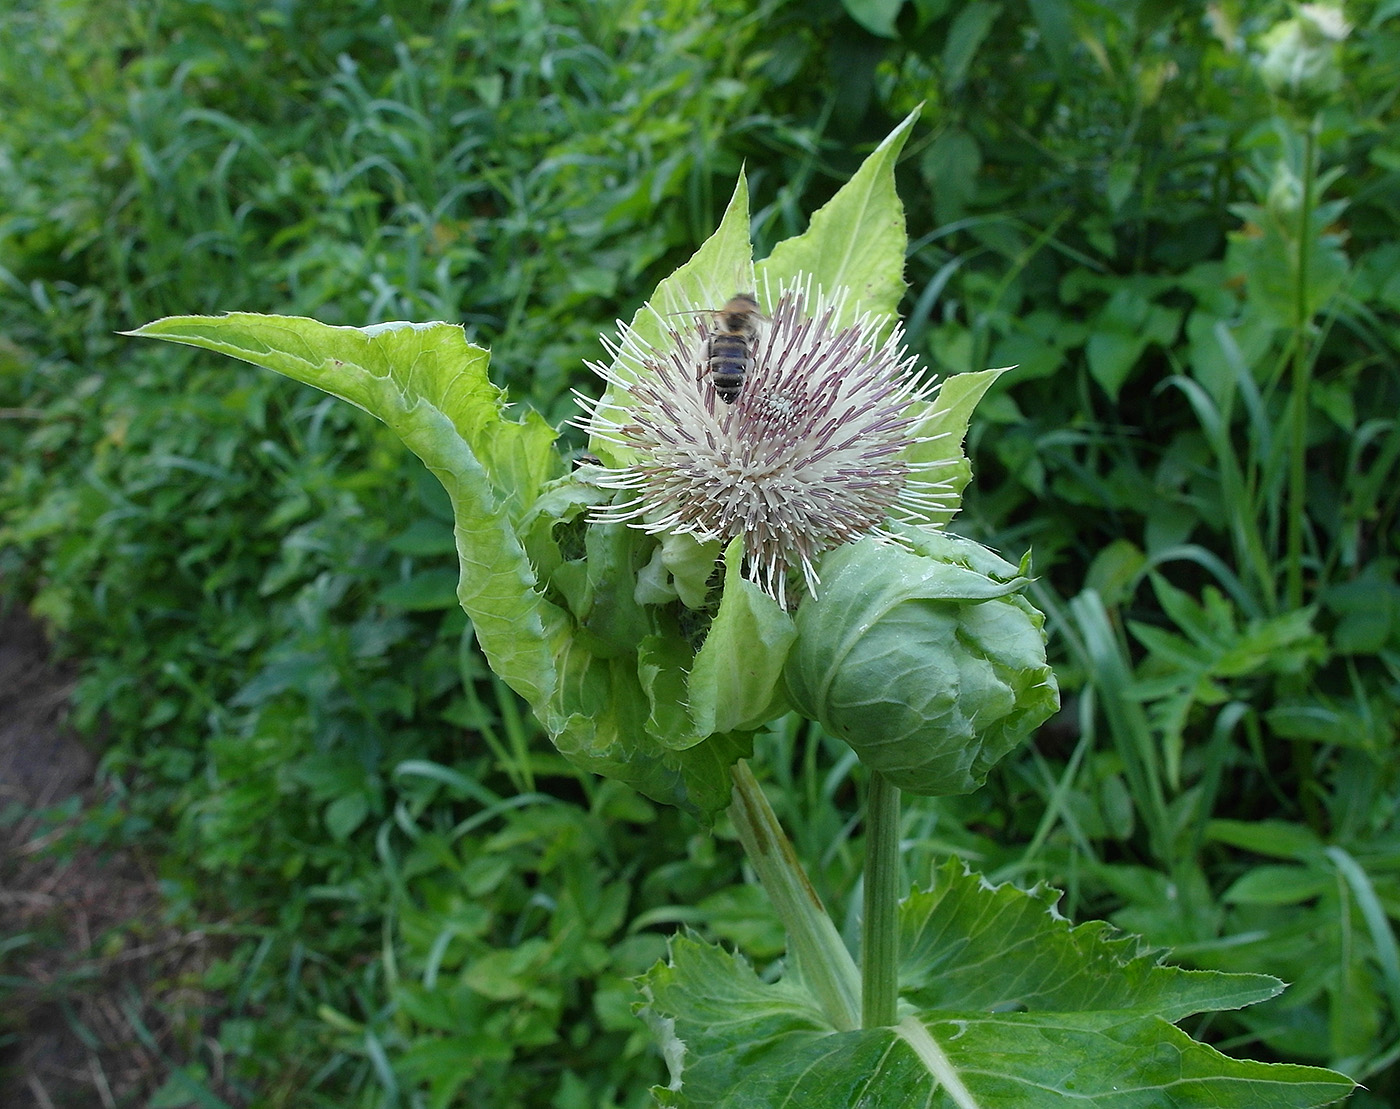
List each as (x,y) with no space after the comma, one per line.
(424,904)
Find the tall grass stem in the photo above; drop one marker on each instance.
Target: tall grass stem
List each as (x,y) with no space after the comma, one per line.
(1302,373)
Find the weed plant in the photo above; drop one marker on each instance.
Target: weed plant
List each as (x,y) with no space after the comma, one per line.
(1191,273)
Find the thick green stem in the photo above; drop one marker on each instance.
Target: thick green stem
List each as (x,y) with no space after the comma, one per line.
(1302,375)
(880,928)
(813,941)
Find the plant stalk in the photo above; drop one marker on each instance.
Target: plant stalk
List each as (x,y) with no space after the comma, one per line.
(880,926)
(813,940)
(1302,375)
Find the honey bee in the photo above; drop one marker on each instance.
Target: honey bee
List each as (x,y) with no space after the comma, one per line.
(730,345)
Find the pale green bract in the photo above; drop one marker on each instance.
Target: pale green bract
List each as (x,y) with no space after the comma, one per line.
(585,621)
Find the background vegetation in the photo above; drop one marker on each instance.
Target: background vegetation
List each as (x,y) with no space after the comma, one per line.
(419,903)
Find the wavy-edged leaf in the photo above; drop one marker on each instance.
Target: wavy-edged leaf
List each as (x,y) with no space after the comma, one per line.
(429,385)
(945,964)
(606,732)
(1004,1033)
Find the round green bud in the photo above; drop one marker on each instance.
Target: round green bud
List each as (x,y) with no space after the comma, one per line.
(926,659)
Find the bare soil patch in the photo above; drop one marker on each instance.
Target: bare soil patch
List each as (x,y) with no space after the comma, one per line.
(94,1010)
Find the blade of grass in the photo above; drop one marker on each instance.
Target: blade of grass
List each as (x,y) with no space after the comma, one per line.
(1107,666)
(1377,922)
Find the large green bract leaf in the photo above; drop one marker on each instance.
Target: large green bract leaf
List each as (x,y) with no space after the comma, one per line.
(429,385)
(1003,1005)
(736,683)
(719,269)
(856,240)
(936,447)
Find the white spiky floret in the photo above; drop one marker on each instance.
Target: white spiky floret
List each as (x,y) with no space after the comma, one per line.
(812,454)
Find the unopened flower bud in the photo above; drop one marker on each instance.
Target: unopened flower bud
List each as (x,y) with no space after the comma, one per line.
(1301,62)
(927,661)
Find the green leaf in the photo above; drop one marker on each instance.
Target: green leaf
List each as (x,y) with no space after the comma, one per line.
(951,166)
(424,537)
(736,683)
(1115,570)
(1126,326)
(661,666)
(1058,967)
(1274,838)
(970,27)
(1321,719)
(186,1088)
(721,267)
(576,656)
(854,241)
(1368,610)
(1055,19)
(876,16)
(507,974)
(423,592)
(1003,1004)
(607,734)
(429,385)
(1278,885)
(689,563)
(345,814)
(936,442)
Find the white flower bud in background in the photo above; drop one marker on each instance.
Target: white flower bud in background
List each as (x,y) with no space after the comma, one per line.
(1301,61)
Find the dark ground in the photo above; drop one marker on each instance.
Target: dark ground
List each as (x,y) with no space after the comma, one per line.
(98,995)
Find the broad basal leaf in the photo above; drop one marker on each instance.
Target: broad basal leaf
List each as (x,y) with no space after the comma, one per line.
(948,964)
(1003,1006)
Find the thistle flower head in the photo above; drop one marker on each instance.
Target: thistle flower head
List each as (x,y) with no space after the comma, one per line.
(811,453)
